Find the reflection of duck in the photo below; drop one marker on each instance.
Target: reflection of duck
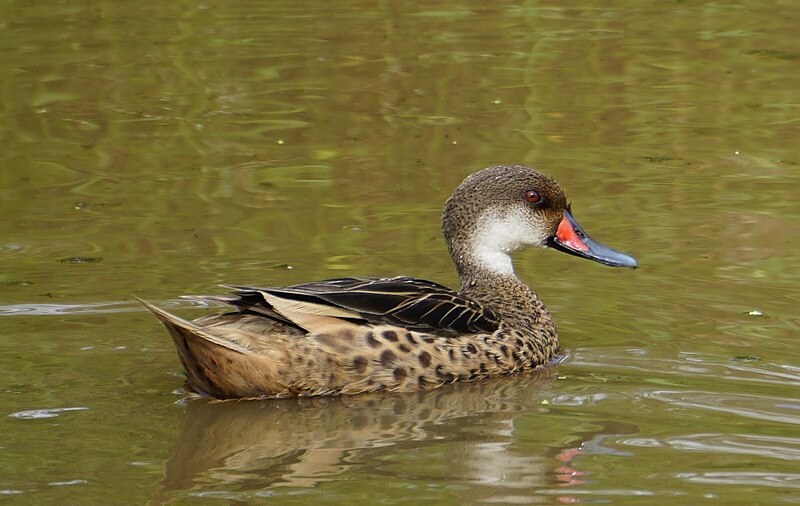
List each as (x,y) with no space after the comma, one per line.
(359,335)
(246,447)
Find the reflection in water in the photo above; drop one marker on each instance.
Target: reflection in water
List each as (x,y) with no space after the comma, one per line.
(475,434)
(301,443)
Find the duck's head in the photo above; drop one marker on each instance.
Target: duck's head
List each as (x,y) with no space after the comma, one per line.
(500,209)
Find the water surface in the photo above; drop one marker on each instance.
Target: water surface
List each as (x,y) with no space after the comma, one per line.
(163,148)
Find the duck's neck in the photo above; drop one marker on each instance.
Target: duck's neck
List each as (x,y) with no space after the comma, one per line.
(501,290)
(487,267)
(481,250)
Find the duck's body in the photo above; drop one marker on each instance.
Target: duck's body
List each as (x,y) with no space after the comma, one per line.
(354,335)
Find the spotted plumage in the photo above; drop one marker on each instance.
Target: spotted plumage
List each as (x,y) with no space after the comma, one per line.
(353,335)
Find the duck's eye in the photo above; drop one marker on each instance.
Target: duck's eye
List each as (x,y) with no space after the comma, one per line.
(532,196)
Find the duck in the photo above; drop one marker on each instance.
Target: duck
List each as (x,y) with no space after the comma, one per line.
(356,335)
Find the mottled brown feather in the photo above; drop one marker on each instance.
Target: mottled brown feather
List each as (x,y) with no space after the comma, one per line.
(354,335)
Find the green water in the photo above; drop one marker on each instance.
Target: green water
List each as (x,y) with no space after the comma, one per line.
(158,149)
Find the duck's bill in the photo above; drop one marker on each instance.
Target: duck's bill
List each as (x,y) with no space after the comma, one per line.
(570,238)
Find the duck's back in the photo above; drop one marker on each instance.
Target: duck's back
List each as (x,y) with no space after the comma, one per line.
(411,303)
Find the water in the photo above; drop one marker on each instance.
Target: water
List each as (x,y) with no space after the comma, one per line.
(161,149)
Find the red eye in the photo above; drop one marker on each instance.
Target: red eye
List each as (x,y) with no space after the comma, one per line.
(533,196)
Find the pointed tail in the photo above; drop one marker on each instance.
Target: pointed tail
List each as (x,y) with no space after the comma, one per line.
(201,352)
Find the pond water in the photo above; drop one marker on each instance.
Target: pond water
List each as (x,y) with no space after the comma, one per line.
(158,149)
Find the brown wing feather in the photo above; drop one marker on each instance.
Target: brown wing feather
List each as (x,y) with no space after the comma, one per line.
(408,302)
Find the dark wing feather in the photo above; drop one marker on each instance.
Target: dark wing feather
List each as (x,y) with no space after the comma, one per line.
(408,302)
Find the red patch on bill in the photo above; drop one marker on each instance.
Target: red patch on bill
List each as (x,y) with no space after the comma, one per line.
(566,235)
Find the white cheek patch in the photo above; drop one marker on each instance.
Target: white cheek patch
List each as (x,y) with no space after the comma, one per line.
(498,235)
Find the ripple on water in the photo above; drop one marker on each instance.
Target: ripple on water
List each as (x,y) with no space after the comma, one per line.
(774,447)
(37,414)
(68,483)
(60,309)
(761,407)
(89,308)
(783,480)
(690,365)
